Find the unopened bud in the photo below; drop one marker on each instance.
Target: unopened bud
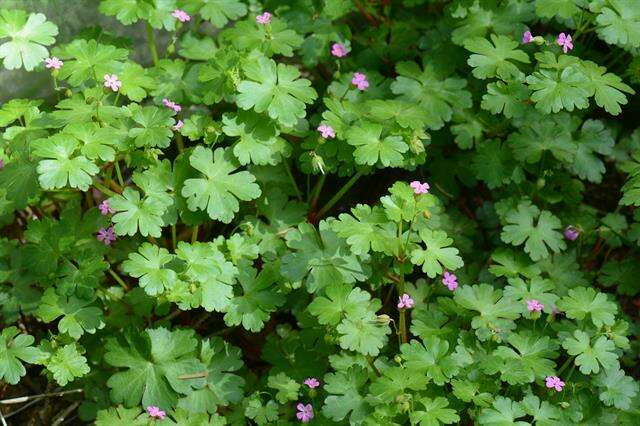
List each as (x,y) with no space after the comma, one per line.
(383,319)
(68,93)
(538,40)
(398,359)
(171,48)
(317,162)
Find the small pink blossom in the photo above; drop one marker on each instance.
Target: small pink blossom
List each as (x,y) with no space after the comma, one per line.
(170,104)
(554,382)
(565,41)
(419,188)
(156,412)
(534,306)
(406,302)
(112,82)
(326,131)
(53,62)
(106,235)
(1,164)
(105,208)
(360,80)
(181,15)
(450,280)
(179,125)
(527,37)
(305,412)
(338,50)
(264,19)
(571,233)
(312,382)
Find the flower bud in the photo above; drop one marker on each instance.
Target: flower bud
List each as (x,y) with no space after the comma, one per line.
(68,93)
(383,319)
(541,182)
(539,40)
(398,359)
(317,162)
(171,48)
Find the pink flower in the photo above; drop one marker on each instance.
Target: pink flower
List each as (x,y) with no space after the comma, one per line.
(312,382)
(156,412)
(360,80)
(181,15)
(571,233)
(170,104)
(112,82)
(305,412)
(326,131)
(450,280)
(338,50)
(105,208)
(534,306)
(527,37)
(419,188)
(179,125)
(565,41)
(406,302)
(106,235)
(1,164)
(54,63)
(554,382)
(264,19)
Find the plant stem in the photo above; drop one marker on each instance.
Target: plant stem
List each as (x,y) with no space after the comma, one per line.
(400,285)
(293,181)
(316,192)
(565,365)
(179,142)
(338,195)
(118,279)
(103,189)
(118,172)
(194,234)
(152,44)
(173,237)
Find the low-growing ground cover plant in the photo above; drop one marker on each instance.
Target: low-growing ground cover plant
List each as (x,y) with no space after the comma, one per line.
(363,212)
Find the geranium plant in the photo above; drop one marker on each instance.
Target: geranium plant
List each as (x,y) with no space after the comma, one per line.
(356,212)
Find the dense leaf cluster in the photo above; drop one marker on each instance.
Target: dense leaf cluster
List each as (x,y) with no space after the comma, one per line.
(338,212)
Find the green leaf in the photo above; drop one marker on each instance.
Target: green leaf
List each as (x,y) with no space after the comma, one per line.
(371,148)
(276,89)
(61,166)
(583,301)
(346,395)
(366,334)
(66,364)
(565,9)
(394,382)
(126,11)
(436,97)
(17,108)
(133,214)
(434,413)
(437,255)
(492,60)
(258,138)
(607,88)
(553,90)
(84,60)
(220,12)
(496,313)
(154,361)
(153,126)
(594,138)
(287,388)
(529,358)
(431,358)
(16,348)
(589,358)
(342,301)
(543,412)
(273,39)
(260,297)
(149,266)
(507,98)
(136,82)
(97,142)
(207,266)
(618,22)
(261,414)
(503,412)
(537,230)
(320,258)
(536,138)
(219,191)
(537,289)
(493,163)
(222,386)
(120,416)
(29,35)
(367,230)
(616,388)
(78,316)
